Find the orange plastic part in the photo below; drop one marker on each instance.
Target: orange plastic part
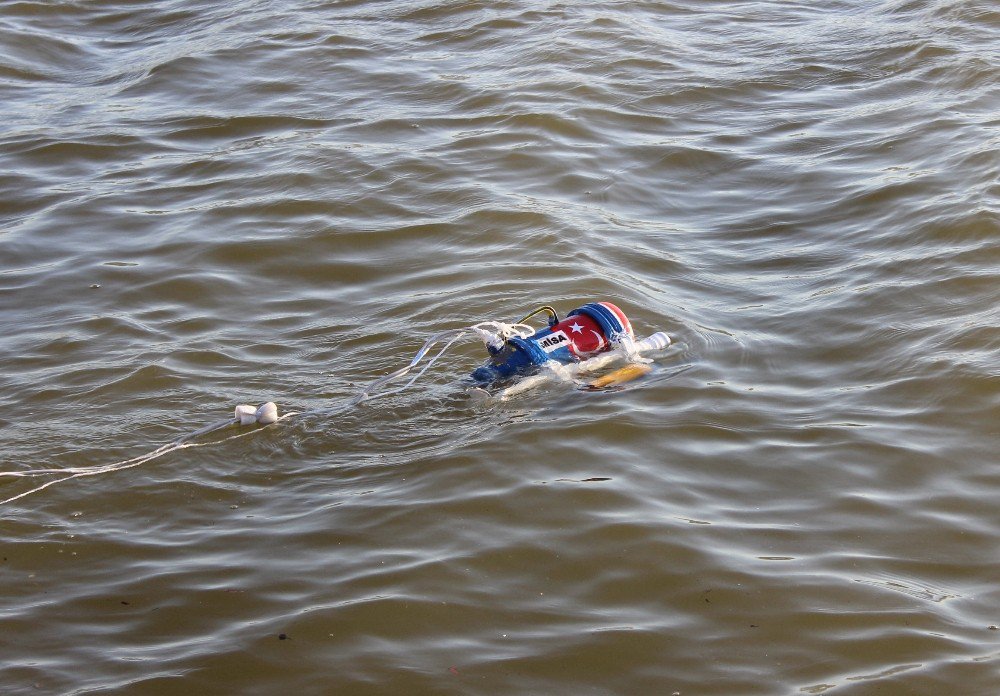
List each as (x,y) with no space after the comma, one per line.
(620,376)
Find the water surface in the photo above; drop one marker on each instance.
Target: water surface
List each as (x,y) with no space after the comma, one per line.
(206,204)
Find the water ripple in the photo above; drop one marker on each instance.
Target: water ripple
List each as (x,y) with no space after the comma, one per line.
(214,204)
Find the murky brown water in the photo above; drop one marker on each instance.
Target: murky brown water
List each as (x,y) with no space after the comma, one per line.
(283,200)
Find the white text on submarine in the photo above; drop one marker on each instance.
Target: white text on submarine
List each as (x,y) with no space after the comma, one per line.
(553,341)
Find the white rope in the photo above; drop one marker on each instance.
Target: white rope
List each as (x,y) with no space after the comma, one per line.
(267,413)
(496,333)
(493,333)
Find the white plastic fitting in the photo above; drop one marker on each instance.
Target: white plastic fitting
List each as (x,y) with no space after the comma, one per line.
(657,341)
